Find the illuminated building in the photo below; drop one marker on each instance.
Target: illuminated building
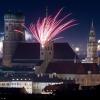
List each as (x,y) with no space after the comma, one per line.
(92,46)
(39,67)
(30,82)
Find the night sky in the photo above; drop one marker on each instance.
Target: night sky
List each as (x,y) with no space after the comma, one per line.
(82,10)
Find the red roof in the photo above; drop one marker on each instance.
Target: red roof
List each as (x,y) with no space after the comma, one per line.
(69,67)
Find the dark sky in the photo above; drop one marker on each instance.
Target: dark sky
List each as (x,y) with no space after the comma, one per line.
(82,10)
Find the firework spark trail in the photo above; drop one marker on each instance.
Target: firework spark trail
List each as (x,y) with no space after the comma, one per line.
(46,30)
(18,31)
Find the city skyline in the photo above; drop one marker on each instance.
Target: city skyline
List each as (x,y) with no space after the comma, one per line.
(49,47)
(82,11)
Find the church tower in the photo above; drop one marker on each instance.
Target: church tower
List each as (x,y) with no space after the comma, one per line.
(46,55)
(92,46)
(12,22)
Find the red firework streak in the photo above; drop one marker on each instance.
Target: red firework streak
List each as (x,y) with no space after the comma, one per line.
(45,30)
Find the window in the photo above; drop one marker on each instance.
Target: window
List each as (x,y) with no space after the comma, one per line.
(82,80)
(25,79)
(29,79)
(3,84)
(77,79)
(8,84)
(6,36)
(49,53)
(13,79)
(13,83)
(41,53)
(69,78)
(6,28)
(17,79)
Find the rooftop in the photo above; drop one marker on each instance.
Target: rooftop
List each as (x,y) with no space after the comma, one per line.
(69,67)
(64,51)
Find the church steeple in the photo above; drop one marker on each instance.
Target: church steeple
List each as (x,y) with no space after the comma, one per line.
(92,46)
(92,31)
(92,35)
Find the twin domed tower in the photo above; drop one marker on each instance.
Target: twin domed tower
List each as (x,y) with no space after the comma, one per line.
(12,38)
(12,22)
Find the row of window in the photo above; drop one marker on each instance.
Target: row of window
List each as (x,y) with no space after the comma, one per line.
(86,79)
(7,84)
(21,79)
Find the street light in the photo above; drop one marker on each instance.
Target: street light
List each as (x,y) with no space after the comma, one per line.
(98,41)
(77,49)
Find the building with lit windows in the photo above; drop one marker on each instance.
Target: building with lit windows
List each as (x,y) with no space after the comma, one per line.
(30,82)
(32,67)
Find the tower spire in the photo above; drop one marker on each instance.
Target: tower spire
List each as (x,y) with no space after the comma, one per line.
(92,46)
(92,31)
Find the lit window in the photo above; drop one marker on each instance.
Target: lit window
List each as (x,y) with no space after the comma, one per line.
(17,79)
(49,53)
(29,79)
(13,79)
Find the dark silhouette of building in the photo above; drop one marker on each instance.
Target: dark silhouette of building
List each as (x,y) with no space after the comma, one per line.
(12,38)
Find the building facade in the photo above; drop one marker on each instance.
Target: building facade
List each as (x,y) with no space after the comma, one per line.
(12,22)
(92,46)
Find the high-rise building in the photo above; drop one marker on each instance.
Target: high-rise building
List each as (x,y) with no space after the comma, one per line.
(92,46)
(12,22)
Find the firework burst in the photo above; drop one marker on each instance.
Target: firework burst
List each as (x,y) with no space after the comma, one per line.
(45,30)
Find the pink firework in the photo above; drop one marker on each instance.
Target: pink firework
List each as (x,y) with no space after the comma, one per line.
(45,30)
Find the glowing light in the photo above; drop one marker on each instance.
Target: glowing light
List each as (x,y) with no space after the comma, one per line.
(18,31)
(45,30)
(98,41)
(98,47)
(1,46)
(77,49)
